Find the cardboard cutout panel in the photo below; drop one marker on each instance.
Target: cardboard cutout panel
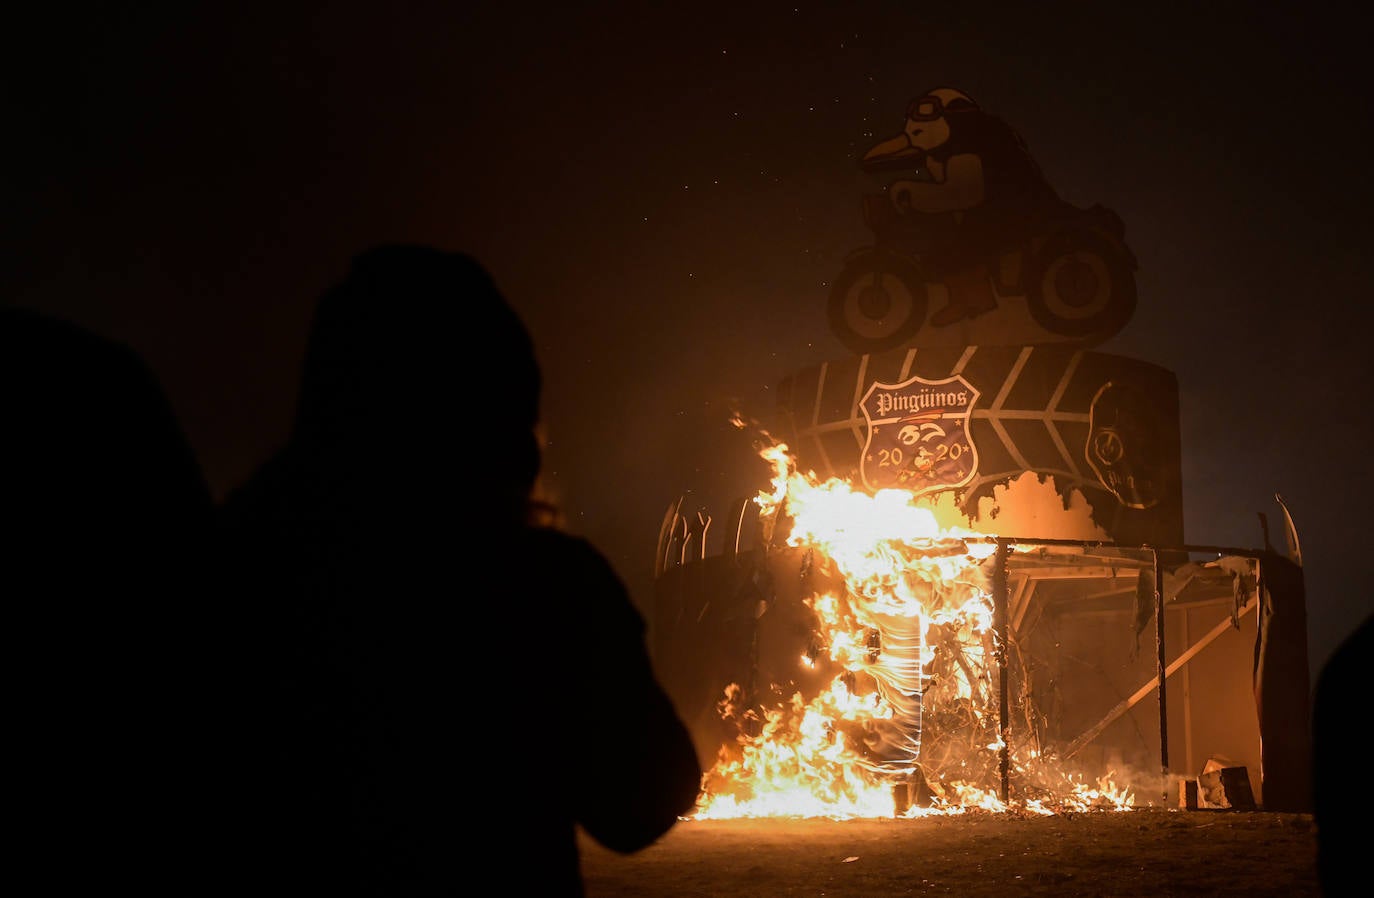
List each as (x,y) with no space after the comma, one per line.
(964,425)
(970,231)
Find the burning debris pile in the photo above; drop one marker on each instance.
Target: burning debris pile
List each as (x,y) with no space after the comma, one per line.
(902,692)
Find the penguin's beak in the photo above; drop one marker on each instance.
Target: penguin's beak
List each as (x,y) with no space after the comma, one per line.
(893,153)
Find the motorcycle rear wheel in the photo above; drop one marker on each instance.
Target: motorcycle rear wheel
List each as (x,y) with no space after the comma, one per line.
(1082,285)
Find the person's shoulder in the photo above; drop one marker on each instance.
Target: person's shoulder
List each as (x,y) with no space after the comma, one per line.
(561,552)
(553,539)
(70,372)
(568,560)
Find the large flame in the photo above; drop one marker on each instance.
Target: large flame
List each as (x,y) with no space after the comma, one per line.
(907,723)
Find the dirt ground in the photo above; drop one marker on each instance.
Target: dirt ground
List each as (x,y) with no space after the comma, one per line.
(1144,852)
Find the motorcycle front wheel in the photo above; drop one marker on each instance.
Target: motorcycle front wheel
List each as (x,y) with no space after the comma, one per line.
(877,303)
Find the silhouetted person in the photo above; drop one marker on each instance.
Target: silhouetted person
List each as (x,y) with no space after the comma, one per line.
(450,687)
(114,702)
(1340,743)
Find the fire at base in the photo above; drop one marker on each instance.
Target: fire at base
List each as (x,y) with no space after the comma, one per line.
(898,705)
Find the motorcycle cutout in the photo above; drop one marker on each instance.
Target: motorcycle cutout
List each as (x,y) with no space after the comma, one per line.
(1068,276)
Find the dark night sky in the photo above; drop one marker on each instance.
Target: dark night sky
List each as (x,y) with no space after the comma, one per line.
(665,194)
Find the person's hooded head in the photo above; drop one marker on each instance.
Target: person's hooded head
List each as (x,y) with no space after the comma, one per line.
(420,375)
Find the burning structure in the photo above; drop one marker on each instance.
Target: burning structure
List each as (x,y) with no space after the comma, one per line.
(966,585)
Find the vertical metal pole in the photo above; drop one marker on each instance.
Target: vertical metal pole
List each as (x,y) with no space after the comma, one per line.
(1162,674)
(1186,671)
(999,626)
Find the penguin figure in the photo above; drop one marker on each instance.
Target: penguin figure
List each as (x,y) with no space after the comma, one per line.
(981,192)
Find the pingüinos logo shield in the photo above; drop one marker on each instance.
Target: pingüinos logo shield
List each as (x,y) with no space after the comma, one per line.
(918,435)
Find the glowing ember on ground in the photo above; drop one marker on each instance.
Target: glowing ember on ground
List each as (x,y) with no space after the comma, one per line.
(908,724)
